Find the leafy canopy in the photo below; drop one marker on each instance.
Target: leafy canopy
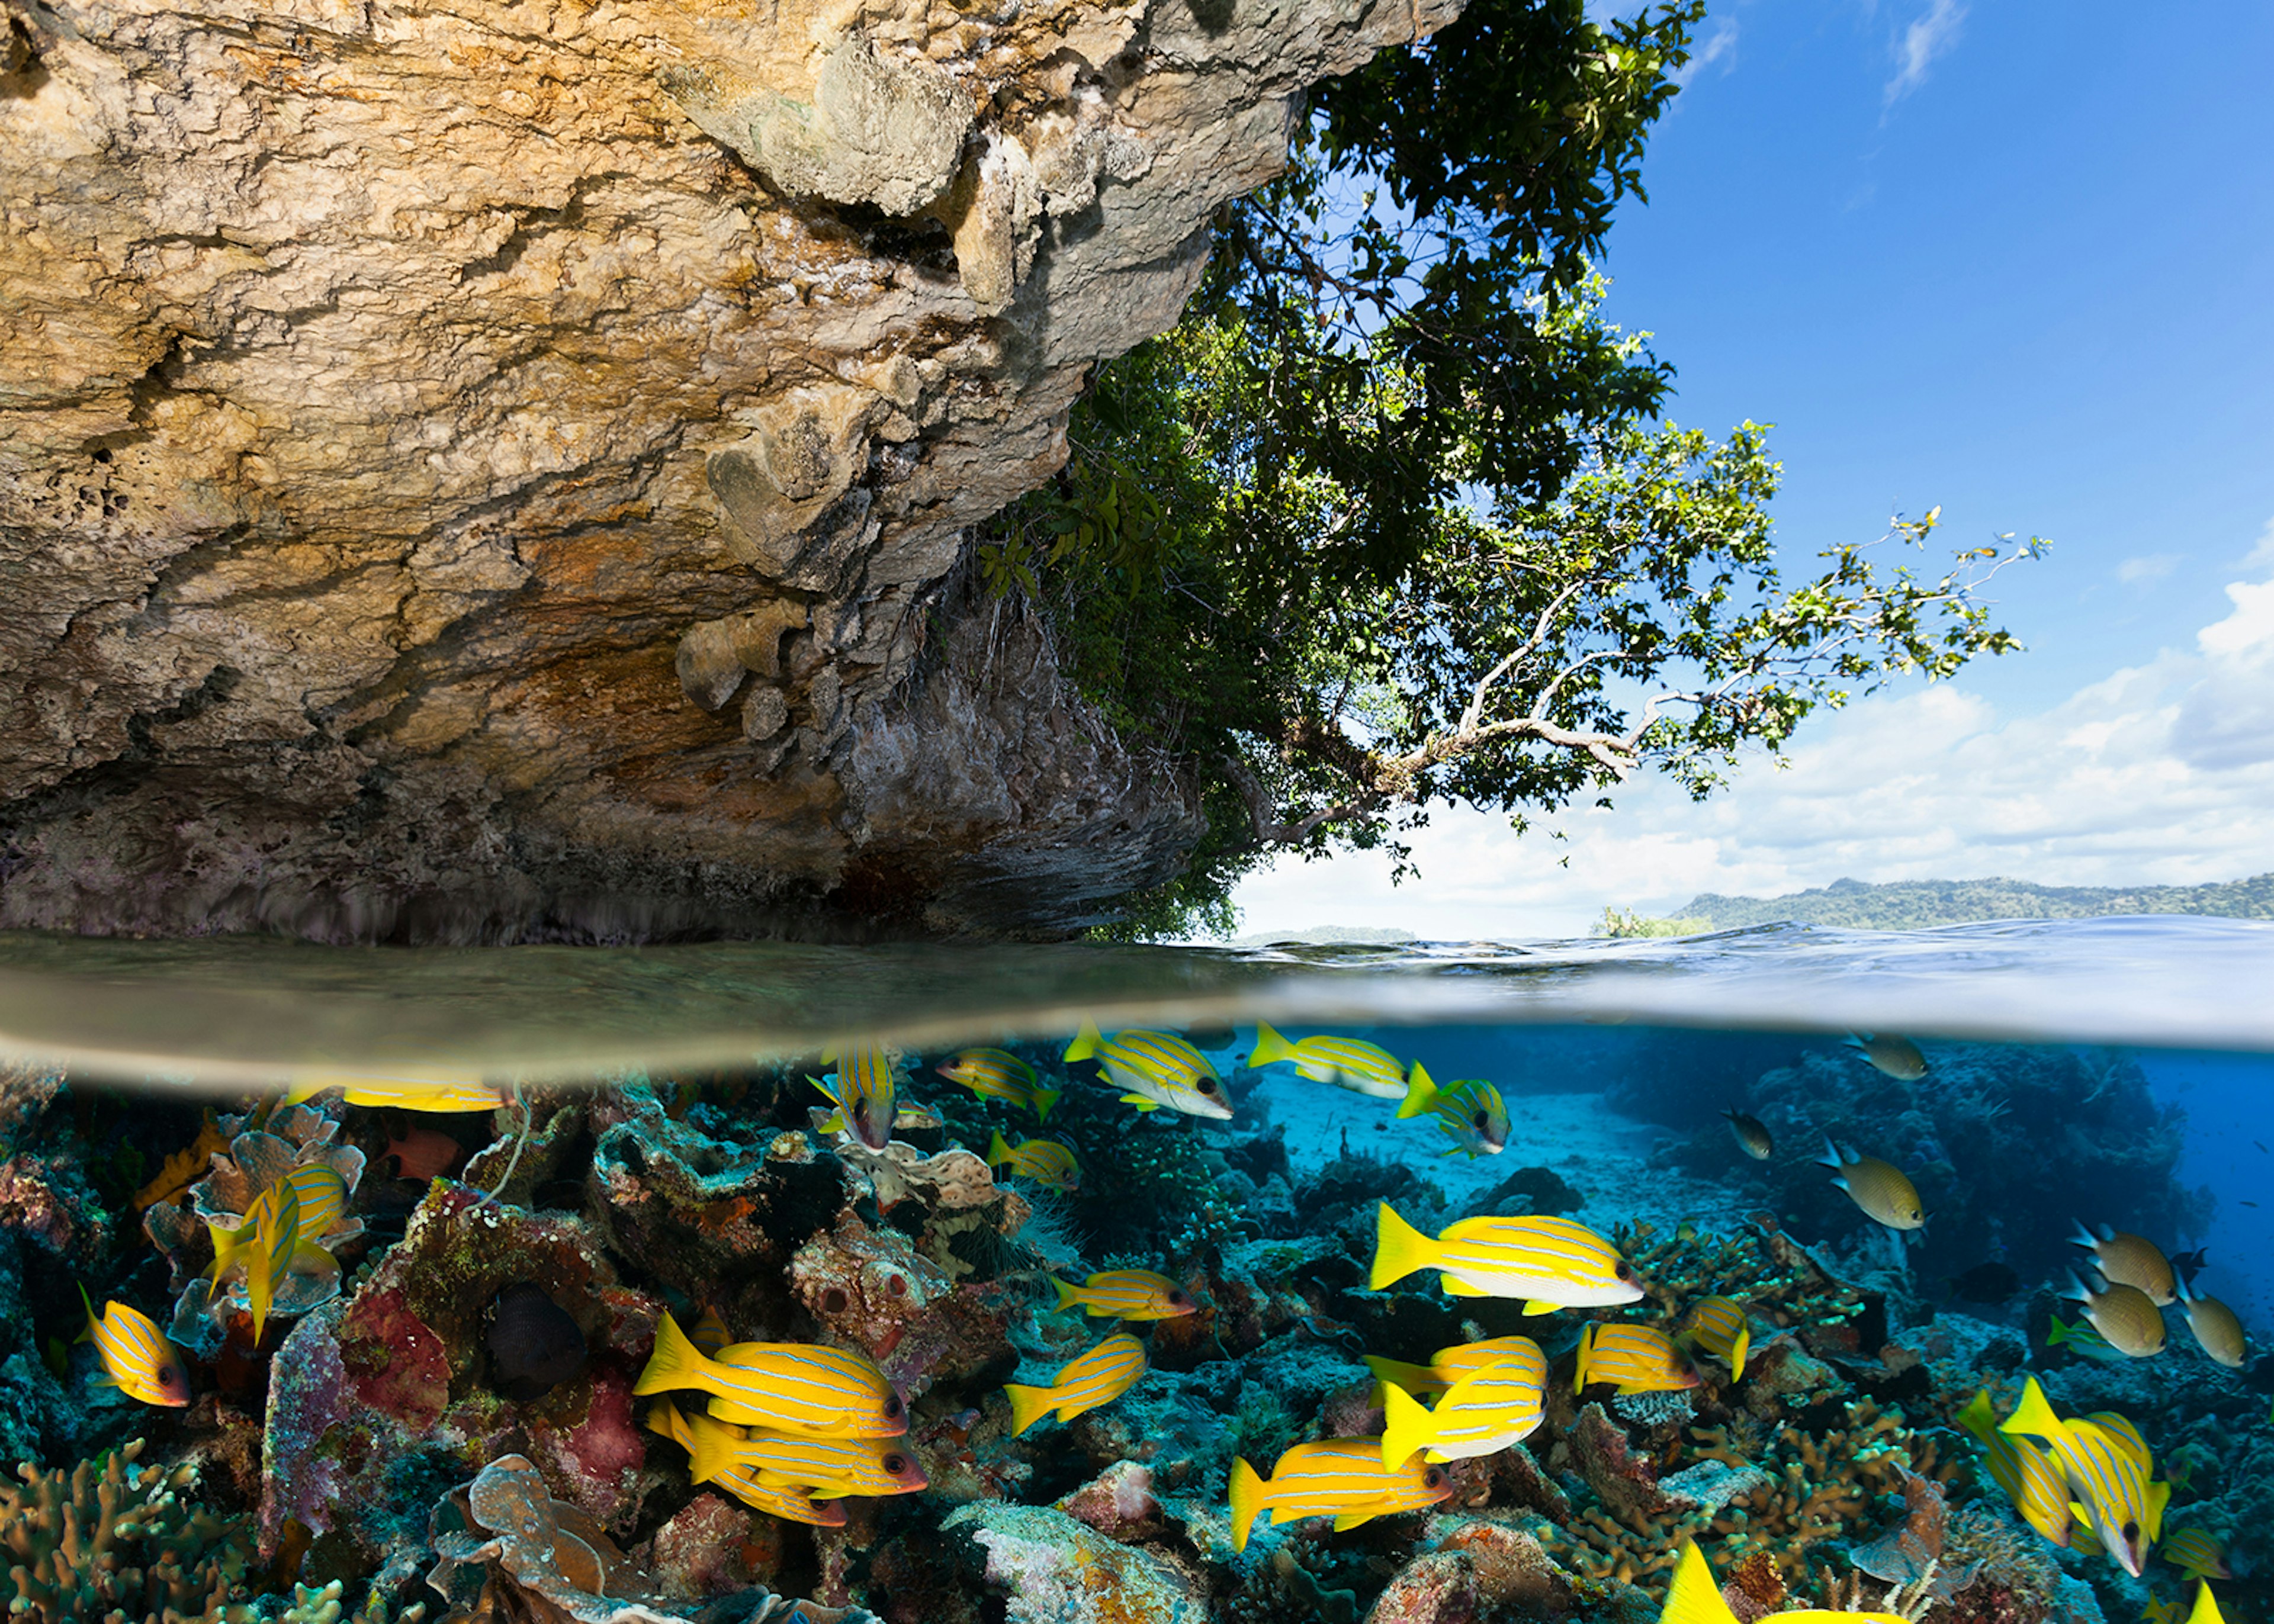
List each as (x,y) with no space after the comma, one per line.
(1392,519)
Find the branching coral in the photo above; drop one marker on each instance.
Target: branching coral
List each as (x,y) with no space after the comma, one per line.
(116,1541)
(1759,1265)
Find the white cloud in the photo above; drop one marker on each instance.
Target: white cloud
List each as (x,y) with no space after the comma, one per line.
(2147,567)
(2161,773)
(1931,36)
(1718,45)
(2261,556)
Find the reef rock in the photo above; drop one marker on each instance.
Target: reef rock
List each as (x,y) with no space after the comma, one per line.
(471,475)
(1051,1568)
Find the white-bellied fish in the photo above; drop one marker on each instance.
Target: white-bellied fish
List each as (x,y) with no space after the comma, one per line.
(1346,1063)
(998,1074)
(1549,1263)
(2125,1316)
(412,1089)
(136,1358)
(2107,1473)
(1470,1113)
(1751,1134)
(1695,1599)
(1154,1068)
(1719,1325)
(2030,1477)
(1447,1365)
(1046,1162)
(1634,1358)
(2218,1332)
(793,1504)
(1338,1477)
(865,1089)
(1484,1412)
(1879,1188)
(1897,1057)
(1098,1377)
(787,1387)
(825,1468)
(1125,1294)
(2130,1260)
(2197,1550)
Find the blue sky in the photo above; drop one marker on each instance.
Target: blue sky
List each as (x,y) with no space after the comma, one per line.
(2014,260)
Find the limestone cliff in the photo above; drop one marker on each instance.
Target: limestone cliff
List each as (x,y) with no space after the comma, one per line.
(487,469)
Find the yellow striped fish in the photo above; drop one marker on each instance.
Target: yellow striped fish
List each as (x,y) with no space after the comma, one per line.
(1633,1357)
(1339,1477)
(2032,1480)
(322,1195)
(2130,1260)
(1549,1262)
(1447,1365)
(998,1074)
(1470,1113)
(2218,1332)
(2081,1340)
(2106,1472)
(2156,1609)
(711,1333)
(2126,1316)
(1046,1162)
(136,1358)
(2195,1550)
(1483,1413)
(1719,1325)
(1877,1187)
(826,1467)
(1695,1599)
(413,1088)
(1098,1377)
(791,1504)
(275,1238)
(1156,1068)
(789,1386)
(1125,1294)
(1347,1062)
(865,1089)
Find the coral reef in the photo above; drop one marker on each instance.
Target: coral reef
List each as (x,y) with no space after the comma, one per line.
(114,1539)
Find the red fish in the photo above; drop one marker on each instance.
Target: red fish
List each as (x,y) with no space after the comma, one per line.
(424,1153)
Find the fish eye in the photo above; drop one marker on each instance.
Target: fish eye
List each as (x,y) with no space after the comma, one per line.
(1208,1084)
(896,1463)
(1625,1270)
(1483,1120)
(1433,1478)
(893,1405)
(1178,1299)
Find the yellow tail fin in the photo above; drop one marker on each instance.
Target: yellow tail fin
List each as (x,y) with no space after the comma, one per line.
(1086,1043)
(997,1151)
(1399,1249)
(1586,1348)
(710,1452)
(1737,1352)
(1420,1092)
(2159,1495)
(1695,1599)
(1045,1098)
(1269,1047)
(1413,1378)
(1405,1427)
(1247,1500)
(2033,1415)
(1069,1296)
(1977,1418)
(675,1362)
(226,1244)
(665,1418)
(2206,1609)
(1028,1405)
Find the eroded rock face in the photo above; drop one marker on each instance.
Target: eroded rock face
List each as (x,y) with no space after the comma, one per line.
(473,470)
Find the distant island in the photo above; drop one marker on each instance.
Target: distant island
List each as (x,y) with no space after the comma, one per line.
(1918,905)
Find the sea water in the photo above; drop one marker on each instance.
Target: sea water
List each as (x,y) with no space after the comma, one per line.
(2116,1073)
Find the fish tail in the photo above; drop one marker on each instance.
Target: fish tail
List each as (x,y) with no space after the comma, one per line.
(1045,1098)
(2159,1495)
(1405,1427)
(710,1454)
(1068,1296)
(86,1336)
(1269,1047)
(999,1151)
(1744,1339)
(259,1289)
(1977,1418)
(2077,1289)
(226,1244)
(664,1417)
(675,1362)
(2084,1236)
(1831,1158)
(1694,1599)
(2033,1415)
(1086,1043)
(1028,1405)
(1412,1378)
(1247,1500)
(1399,1249)
(1586,1357)
(2058,1333)
(1420,1092)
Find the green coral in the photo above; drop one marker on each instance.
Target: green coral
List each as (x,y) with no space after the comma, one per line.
(111,1540)
(1760,1266)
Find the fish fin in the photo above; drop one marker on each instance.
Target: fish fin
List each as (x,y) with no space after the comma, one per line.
(1028,1405)
(2159,1495)
(1399,1249)
(710,1454)
(1694,1597)
(1068,1296)
(2078,1290)
(2079,1518)
(1412,1378)
(1744,1339)
(1350,1520)
(1857,1040)
(1045,1098)
(999,1152)
(1269,1048)
(1831,1157)
(2033,1415)
(1247,1500)
(2206,1609)
(1143,1103)
(664,1417)
(227,1243)
(1541,1305)
(87,1334)
(1456,1287)
(1404,1427)
(1420,1092)
(2084,1236)
(1086,1043)
(2106,1231)
(828,1093)
(1977,1418)
(1586,1351)
(102,1379)
(675,1362)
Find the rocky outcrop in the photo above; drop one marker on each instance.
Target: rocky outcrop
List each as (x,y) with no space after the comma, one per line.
(474,469)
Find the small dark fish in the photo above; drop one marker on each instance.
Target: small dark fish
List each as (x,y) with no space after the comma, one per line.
(1752,1136)
(1984,1283)
(2245,1203)
(2261,1147)
(534,1343)
(2187,1265)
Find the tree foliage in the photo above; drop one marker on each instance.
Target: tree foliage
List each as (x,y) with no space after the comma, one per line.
(1392,519)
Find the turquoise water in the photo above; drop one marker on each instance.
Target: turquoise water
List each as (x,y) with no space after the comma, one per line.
(456,1395)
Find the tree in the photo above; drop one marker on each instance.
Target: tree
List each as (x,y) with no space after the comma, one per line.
(1391,518)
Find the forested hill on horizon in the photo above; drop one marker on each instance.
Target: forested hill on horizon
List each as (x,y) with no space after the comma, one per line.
(1914,905)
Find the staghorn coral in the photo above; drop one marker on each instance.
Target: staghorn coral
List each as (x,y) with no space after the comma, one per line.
(1772,1274)
(114,1540)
